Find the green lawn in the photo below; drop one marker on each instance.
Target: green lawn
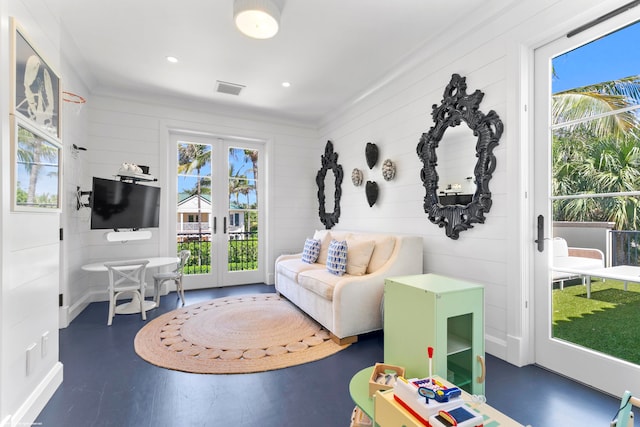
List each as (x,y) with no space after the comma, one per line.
(609,322)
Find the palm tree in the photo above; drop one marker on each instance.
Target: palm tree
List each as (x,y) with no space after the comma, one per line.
(589,101)
(252,156)
(599,155)
(604,166)
(32,153)
(194,157)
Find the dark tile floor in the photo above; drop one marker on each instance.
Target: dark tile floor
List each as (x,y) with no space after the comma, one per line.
(107,384)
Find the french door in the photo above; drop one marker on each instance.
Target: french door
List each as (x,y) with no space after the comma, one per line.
(570,357)
(218,209)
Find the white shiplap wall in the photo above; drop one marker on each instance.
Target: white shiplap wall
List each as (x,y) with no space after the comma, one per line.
(493,55)
(490,55)
(30,253)
(74,221)
(124,130)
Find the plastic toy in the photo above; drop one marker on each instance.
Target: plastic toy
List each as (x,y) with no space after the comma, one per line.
(439,395)
(460,417)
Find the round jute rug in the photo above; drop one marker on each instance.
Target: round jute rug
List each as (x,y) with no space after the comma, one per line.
(249,333)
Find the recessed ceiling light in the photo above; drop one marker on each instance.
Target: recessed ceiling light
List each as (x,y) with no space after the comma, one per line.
(172,59)
(286,84)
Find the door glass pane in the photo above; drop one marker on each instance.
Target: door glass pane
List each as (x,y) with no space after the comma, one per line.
(596,195)
(243,209)
(194,210)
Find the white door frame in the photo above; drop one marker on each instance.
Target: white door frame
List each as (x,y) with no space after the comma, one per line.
(596,369)
(168,203)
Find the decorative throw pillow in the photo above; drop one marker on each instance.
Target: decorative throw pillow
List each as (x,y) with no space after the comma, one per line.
(310,251)
(381,253)
(358,256)
(325,238)
(337,257)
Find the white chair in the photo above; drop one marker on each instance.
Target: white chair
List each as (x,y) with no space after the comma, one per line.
(126,276)
(573,258)
(175,276)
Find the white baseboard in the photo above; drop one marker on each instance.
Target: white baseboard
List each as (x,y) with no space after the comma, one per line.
(495,347)
(68,313)
(519,353)
(31,408)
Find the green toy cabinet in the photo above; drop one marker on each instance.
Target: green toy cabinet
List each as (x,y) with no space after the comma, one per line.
(430,310)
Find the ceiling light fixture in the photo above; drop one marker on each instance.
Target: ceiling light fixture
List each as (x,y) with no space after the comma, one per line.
(286,84)
(172,59)
(259,19)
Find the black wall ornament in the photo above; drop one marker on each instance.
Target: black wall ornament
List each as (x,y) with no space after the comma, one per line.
(457,107)
(371,154)
(371,189)
(329,162)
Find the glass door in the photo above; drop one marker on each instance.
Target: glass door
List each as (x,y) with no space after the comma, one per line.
(587,191)
(241,225)
(218,210)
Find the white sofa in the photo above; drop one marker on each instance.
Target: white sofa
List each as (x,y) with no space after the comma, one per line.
(348,305)
(573,259)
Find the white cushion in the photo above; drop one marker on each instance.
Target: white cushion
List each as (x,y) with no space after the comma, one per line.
(320,282)
(325,239)
(560,247)
(340,235)
(292,267)
(578,263)
(381,252)
(358,255)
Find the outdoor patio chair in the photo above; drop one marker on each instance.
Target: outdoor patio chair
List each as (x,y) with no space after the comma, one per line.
(573,258)
(175,276)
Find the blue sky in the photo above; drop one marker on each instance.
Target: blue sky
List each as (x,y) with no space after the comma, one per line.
(611,57)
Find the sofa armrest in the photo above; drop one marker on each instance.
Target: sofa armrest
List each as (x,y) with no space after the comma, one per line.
(288,256)
(358,296)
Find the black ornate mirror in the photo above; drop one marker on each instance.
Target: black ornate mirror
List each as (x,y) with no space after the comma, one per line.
(457,107)
(329,162)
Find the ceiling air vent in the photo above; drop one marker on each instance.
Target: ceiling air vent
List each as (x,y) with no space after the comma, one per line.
(228,88)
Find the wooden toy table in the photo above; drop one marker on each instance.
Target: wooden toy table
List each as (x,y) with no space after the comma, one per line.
(386,412)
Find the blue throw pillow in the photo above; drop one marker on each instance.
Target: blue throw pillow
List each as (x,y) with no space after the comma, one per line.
(337,257)
(311,251)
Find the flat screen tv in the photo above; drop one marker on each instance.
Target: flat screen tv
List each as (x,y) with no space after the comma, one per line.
(121,205)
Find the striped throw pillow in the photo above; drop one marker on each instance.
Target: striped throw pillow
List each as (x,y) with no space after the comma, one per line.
(337,257)
(311,251)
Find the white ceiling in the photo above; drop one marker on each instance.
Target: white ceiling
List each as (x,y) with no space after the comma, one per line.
(331,51)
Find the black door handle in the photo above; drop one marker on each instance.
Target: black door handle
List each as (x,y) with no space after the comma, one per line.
(215,224)
(224,229)
(540,240)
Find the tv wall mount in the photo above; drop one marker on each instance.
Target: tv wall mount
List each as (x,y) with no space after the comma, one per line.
(79,195)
